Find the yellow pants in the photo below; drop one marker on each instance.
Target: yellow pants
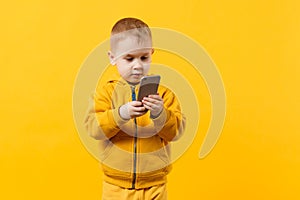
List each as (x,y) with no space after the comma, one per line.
(113,192)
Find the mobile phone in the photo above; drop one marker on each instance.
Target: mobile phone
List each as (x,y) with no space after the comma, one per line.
(148,85)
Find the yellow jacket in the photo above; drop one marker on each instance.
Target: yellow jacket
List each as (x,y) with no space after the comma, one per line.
(133,154)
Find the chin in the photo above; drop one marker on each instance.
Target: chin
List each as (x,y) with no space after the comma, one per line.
(134,81)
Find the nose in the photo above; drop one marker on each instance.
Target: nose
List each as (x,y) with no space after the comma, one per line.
(137,64)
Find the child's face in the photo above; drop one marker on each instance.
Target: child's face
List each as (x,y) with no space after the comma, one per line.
(132,58)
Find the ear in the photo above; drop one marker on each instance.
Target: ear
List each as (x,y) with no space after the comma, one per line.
(152,51)
(111,58)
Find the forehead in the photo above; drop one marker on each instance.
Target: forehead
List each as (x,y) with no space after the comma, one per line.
(131,45)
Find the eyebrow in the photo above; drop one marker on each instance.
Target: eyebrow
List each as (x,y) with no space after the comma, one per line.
(132,55)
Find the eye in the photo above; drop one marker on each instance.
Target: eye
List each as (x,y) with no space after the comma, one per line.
(129,59)
(144,58)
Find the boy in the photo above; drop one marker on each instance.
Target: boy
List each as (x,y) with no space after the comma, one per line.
(133,135)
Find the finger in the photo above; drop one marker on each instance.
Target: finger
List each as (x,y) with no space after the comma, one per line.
(146,102)
(137,114)
(150,100)
(153,103)
(155,96)
(153,100)
(148,107)
(151,106)
(138,109)
(136,103)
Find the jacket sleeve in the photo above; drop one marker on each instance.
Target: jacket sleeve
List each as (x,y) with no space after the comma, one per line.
(102,120)
(170,124)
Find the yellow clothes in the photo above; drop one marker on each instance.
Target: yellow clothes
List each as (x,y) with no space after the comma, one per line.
(113,192)
(134,153)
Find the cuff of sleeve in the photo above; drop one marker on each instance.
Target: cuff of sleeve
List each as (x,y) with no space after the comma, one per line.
(160,121)
(118,119)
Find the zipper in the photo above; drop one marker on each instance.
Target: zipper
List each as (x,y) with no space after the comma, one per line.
(133,95)
(134,155)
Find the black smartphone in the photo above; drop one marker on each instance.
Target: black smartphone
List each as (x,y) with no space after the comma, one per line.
(148,85)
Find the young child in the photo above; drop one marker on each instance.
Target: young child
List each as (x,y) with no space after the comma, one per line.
(133,135)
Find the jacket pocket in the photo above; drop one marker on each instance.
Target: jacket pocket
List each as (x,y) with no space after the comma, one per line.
(118,159)
(105,147)
(153,161)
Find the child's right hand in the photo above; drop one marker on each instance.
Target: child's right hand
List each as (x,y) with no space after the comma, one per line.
(132,109)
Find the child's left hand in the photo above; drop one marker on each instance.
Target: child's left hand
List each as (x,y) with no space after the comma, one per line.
(154,103)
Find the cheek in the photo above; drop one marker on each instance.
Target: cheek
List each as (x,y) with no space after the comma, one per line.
(122,68)
(146,68)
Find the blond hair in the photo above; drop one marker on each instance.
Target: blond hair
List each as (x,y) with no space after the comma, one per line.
(130,27)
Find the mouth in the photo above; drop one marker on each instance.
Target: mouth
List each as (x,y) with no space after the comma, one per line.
(137,75)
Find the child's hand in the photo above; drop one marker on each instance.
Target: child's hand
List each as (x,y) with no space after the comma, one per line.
(132,109)
(154,103)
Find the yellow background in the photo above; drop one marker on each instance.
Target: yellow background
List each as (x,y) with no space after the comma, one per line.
(255,45)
